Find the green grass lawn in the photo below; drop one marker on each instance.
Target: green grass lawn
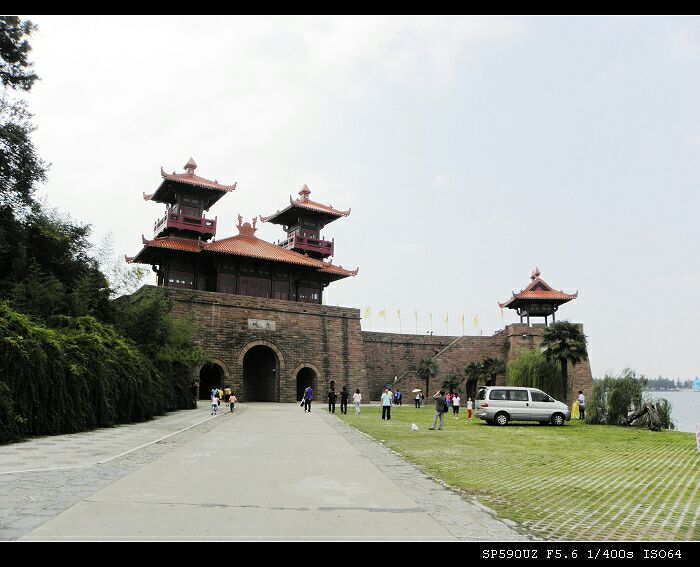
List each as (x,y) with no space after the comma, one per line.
(576,482)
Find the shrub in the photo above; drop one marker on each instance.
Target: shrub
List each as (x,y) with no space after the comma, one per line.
(614,397)
(75,375)
(532,369)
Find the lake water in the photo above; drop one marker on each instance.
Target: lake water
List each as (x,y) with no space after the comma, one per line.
(686,408)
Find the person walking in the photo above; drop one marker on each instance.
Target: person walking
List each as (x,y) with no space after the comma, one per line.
(440,409)
(581,405)
(231,401)
(332,396)
(308,396)
(470,407)
(193,393)
(386,404)
(399,398)
(227,393)
(344,397)
(357,400)
(416,400)
(455,406)
(214,404)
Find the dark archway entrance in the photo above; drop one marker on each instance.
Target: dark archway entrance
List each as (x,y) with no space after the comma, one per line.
(260,375)
(210,376)
(305,377)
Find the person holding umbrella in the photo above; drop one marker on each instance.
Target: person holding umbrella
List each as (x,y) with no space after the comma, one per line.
(417,398)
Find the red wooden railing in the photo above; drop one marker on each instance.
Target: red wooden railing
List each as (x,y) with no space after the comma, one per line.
(318,245)
(185,222)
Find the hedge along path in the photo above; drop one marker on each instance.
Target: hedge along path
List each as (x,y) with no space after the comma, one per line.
(576,482)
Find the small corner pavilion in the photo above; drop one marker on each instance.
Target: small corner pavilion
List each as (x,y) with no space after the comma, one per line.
(538,299)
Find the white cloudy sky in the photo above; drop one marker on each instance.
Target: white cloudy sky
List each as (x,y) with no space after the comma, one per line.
(470,151)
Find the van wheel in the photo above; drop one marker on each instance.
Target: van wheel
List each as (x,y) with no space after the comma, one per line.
(558,419)
(501,418)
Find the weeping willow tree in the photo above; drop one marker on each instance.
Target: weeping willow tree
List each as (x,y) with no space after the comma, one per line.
(532,369)
(74,375)
(619,400)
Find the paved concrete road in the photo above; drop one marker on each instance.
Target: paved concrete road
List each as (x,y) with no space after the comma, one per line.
(273,472)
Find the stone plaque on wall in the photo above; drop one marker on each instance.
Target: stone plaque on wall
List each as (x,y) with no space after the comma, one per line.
(262,325)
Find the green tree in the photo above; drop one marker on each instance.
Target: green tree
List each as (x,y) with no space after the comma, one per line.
(452,383)
(531,369)
(564,343)
(46,268)
(474,372)
(15,69)
(20,167)
(427,370)
(491,368)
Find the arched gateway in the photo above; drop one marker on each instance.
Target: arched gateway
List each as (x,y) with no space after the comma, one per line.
(306,375)
(260,375)
(211,375)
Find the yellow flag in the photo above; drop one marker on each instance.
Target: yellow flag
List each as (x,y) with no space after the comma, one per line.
(462,319)
(415,315)
(475,321)
(447,318)
(382,313)
(398,312)
(368,312)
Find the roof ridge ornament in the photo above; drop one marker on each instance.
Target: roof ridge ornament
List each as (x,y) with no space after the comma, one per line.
(535,273)
(245,228)
(190,166)
(305,192)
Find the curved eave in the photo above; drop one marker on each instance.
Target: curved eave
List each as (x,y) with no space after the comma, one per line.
(516,301)
(170,186)
(288,216)
(337,272)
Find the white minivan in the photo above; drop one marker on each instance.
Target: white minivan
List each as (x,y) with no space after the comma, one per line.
(501,404)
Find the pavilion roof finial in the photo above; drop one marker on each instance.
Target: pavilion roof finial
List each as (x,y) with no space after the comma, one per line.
(535,274)
(190,166)
(305,192)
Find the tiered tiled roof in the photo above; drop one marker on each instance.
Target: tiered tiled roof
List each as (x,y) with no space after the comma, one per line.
(538,290)
(244,244)
(283,216)
(212,190)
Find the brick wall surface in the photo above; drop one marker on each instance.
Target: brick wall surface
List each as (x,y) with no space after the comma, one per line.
(327,339)
(330,341)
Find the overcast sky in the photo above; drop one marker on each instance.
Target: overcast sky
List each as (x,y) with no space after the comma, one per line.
(470,150)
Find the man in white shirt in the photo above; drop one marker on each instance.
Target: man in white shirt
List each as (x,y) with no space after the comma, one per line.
(386,404)
(455,406)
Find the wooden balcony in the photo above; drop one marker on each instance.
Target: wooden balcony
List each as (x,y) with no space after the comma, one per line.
(177,221)
(316,247)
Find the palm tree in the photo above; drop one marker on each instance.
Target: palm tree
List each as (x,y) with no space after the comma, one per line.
(427,369)
(474,372)
(491,368)
(564,342)
(452,383)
